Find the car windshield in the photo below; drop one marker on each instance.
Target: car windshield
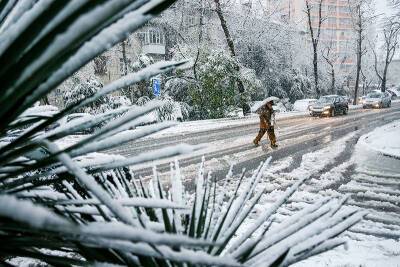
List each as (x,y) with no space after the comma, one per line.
(374,95)
(326,99)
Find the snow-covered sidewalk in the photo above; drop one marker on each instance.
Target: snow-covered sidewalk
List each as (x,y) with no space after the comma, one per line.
(215,124)
(384,140)
(191,127)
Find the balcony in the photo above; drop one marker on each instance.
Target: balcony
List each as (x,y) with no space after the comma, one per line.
(156,49)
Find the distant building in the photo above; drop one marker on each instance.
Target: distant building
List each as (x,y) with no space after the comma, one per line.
(336,30)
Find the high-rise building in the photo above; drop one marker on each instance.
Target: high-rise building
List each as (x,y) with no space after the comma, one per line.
(337,30)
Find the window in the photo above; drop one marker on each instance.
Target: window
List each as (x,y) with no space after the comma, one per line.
(332,21)
(345,21)
(344,10)
(154,37)
(328,34)
(190,21)
(332,9)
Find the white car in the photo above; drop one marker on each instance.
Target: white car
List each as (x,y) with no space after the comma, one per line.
(377,99)
(304,104)
(70,117)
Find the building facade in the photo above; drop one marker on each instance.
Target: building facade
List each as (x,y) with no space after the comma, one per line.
(337,30)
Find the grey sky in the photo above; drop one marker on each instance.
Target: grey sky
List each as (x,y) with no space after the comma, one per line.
(382,7)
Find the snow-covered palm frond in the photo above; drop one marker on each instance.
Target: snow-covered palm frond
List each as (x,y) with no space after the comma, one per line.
(65,204)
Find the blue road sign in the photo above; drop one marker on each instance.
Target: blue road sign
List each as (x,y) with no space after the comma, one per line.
(156,87)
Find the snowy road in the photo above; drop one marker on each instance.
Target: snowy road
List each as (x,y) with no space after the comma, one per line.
(232,144)
(320,149)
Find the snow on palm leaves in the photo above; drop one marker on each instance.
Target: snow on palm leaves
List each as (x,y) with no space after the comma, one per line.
(66,208)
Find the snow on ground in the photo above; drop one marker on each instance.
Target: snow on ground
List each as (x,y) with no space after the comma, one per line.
(384,140)
(374,253)
(373,242)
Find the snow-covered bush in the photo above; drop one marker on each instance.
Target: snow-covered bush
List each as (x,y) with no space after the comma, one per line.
(301,87)
(119,101)
(169,109)
(82,90)
(217,90)
(178,87)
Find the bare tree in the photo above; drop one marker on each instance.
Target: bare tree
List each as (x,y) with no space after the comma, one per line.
(396,16)
(231,45)
(315,37)
(391,43)
(359,10)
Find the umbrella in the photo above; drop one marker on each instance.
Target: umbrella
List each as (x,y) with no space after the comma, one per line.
(259,104)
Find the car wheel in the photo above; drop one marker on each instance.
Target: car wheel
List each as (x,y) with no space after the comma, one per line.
(390,104)
(345,111)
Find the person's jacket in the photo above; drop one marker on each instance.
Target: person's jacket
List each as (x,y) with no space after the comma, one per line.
(265,117)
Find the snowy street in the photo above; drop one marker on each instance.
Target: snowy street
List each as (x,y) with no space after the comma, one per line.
(170,133)
(231,144)
(325,151)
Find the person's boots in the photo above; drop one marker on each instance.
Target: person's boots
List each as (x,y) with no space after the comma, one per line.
(256,141)
(272,137)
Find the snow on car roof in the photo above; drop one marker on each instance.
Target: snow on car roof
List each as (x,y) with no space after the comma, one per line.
(329,96)
(307,99)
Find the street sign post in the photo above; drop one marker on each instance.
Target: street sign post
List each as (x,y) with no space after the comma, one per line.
(156,87)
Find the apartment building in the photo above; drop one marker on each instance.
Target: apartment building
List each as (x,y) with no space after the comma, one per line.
(337,31)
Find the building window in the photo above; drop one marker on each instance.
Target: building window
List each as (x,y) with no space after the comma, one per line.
(154,37)
(190,21)
(332,21)
(344,10)
(345,21)
(332,9)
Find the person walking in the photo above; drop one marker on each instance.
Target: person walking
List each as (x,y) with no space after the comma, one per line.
(266,113)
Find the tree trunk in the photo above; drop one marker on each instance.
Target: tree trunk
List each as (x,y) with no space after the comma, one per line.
(315,40)
(333,84)
(384,77)
(359,54)
(315,64)
(128,91)
(124,58)
(231,45)
(357,77)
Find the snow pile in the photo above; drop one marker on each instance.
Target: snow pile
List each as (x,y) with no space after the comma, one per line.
(385,140)
(359,253)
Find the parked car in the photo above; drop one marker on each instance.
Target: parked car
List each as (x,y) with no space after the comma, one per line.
(377,100)
(71,117)
(361,99)
(330,105)
(394,92)
(304,104)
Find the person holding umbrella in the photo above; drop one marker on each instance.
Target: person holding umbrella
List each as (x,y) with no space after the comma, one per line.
(267,115)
